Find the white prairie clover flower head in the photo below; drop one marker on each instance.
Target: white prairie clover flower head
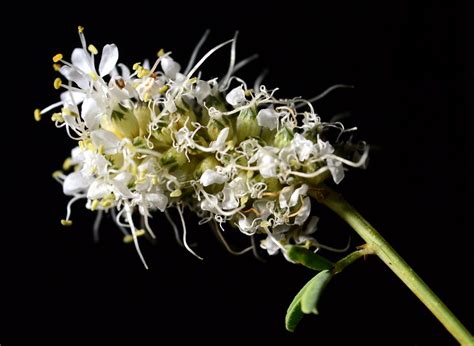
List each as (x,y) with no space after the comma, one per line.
(161,138)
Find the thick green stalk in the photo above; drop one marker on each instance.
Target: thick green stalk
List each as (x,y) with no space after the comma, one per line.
(392,259)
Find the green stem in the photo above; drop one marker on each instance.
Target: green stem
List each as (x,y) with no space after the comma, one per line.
(380,247)
(340,265)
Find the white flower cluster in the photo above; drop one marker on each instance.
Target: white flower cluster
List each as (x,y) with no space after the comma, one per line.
(158,137)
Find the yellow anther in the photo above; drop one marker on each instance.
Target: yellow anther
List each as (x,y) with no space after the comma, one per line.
(65,222)
(100,149)
(154,180)
(265,224)
(94,204)
(136,66)
(81,145)
(160,53)
(93,75)
(57,117)
(57,67)
(248,92)
(37,115)
(106,203)
(67,164)
(80,29)
(57,83)
(129,238)
(57,174)
(244,199)
(142,72)
(176,193)
(92,49)
(146,97)
(193,80)
(57,57)
(163,89)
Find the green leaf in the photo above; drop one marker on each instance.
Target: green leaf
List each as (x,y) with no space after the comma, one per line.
(308,258)
(294,313)
(313,290)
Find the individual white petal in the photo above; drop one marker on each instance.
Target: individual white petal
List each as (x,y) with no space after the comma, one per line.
(72,97)
(170,106)
(202,91)
(264,208)
(170,67)
(269,245)
(246,225)
(303,212)
(94,164)
(219,143)
(336,169)
(312,225)
(106,139)
(157,200)
(125,71)
(236,96)
(77,156)
(98,190)
(209,205)
(302,146)
(268,117)
(75,76)
(239,186)
(230,201)
(75,182)
(108,60)
(295,197)
(285,195)
(146,64)
(82,60)
(91,113)
(210,177)
(268,166)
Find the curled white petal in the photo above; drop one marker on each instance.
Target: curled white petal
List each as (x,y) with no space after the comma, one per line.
(268,117)
(236,96)
(210,177)
(157,200)
(304,212)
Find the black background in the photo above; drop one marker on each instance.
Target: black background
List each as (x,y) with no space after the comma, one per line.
(409,64)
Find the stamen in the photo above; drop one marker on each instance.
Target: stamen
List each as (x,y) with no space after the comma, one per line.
(91,48)
(37,115)
(57,83)
(57,57)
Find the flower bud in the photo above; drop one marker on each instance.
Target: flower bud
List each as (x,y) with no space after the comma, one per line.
(122,122)
(246,124)
(283,137)
(208,163)
(143,116)
(173,159)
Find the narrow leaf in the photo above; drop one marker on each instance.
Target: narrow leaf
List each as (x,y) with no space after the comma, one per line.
(294,313)
(308,258)
(313,291)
